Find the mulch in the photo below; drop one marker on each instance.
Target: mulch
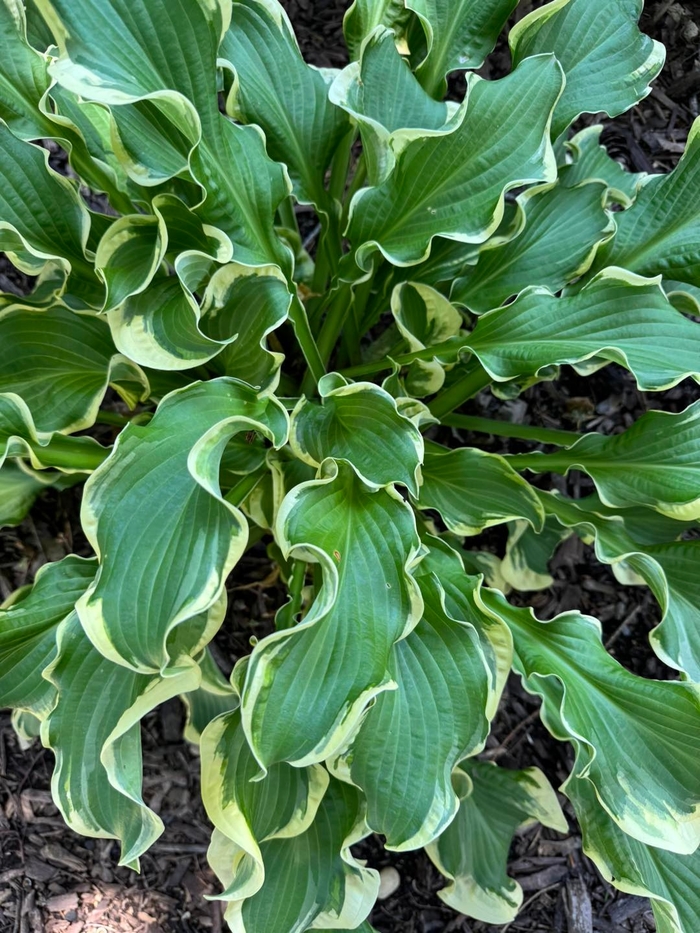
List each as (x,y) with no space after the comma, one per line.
(54,881)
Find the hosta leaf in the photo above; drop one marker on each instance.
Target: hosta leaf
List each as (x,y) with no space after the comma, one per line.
(310,879)
(249,812)
(473,490)
(141,51)
(424,317)
(660,233)
(557,232)
(591,162)
(61,364)
(19,438)
(411,739)
(28,632)
(439,186)
(146,512)
(671,881)
(448,564)
(365,15)
(459,35)
(160,327)
(94,729)
(19,489)
(655,463)
(608,62)
(275,89)
(618,316)
(167,111)
(366,543)
(473,851)
(359,423)
(248,304)
(26,109)
(382,94)
(129,255)
(636,740)
(23,75)
(669,568)
(43,217)
(528,552)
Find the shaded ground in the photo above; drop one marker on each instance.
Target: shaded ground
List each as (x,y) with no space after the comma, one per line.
(53,881)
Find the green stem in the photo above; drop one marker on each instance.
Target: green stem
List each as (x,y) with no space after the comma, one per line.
(305,339)
(71,453)
(357,182)
(112,417)
(330,331)
(526,432)
(558,462)
(449,348)
(244,486)
(287,214)
(472,382)
(295,586)
(340,165)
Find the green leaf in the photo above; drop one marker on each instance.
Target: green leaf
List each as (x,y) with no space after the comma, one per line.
(660,233)
(247,304)
(636,740)
(359,423)
(424,318)
(165,537)
(19,438)
(669,569)
(459,35)
(591,162)
(310,878)
(412,737)
(26,108)
(94,729)
(473,490)
(43,216)
(528,552)
(381,93)
(167,111)
(448,565)
(129,255)
(618,316)
(19,489)
(608,62)
(28,632)
(439,186)
(61,364)
(363,16)
(274,88)
(671,881)
(249,812)
(366,543)
(473,850)
(23,75)
(160,327)
(654,463)
(555,237)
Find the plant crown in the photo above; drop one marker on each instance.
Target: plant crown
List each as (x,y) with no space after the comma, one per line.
(277,397)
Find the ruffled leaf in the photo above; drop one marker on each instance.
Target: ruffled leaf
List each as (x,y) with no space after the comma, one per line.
(473,850)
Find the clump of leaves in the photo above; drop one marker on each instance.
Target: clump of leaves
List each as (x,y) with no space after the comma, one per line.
(291,399)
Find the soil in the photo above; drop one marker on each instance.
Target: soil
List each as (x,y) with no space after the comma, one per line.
(53,881)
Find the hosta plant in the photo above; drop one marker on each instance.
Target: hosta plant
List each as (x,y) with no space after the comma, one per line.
(298,392)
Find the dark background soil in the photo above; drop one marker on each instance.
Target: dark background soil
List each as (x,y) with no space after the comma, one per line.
(52,881)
